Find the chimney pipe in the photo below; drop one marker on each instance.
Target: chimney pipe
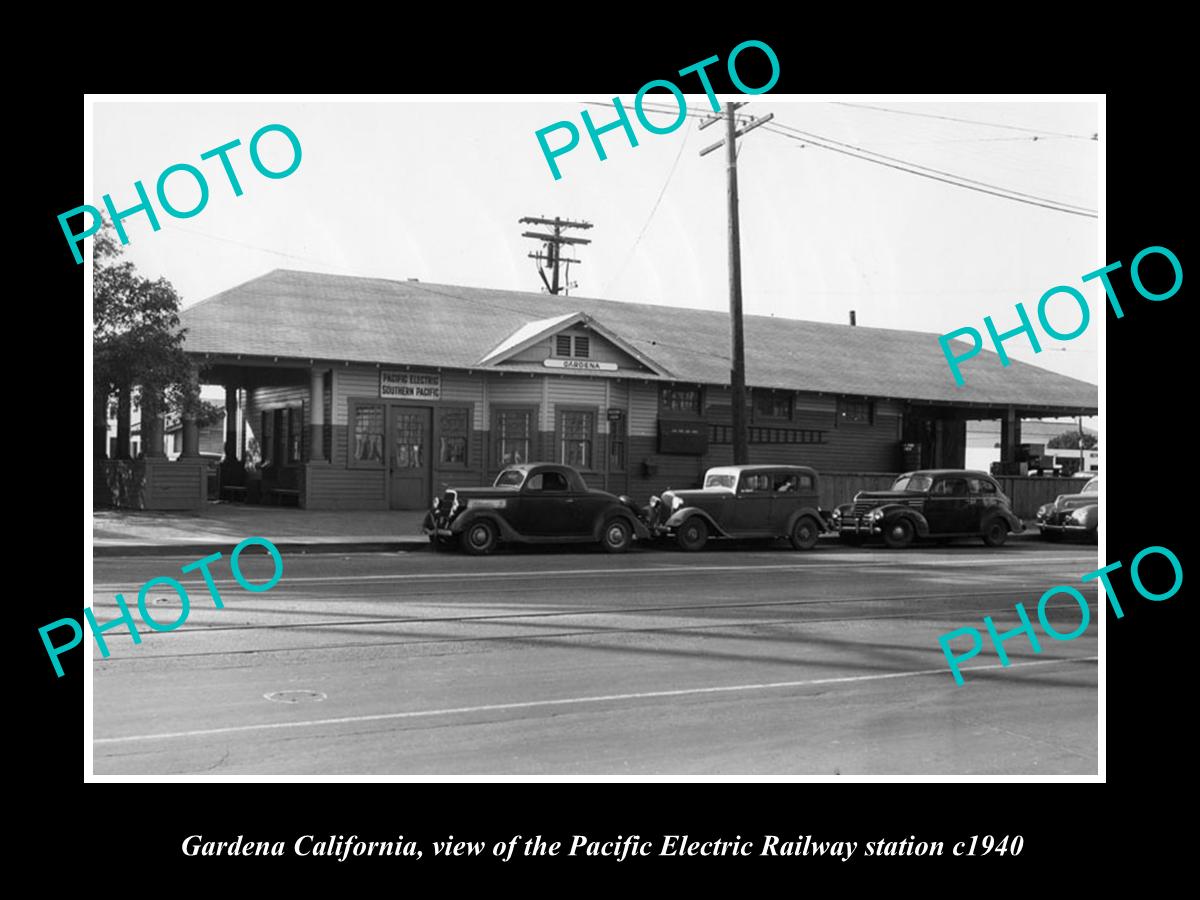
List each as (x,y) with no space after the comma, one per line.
(852,320)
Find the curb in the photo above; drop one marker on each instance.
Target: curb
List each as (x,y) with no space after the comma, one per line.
(295,547)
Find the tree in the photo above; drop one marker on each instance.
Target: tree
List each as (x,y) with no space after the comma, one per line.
(137,344)
(1070,440)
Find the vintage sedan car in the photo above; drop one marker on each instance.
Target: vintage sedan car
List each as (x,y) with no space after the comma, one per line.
(534,503)
(1072,513)
(932,503)
(742,502)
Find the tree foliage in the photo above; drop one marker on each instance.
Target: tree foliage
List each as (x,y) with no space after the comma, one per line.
(136,339)
(1069,440)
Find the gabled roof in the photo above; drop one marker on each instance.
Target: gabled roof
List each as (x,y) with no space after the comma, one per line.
(306,315)
(532,332)
(528,335)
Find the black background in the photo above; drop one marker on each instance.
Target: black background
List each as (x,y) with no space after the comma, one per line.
(1146,461)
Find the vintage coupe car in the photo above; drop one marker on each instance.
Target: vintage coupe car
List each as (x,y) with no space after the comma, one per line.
(1071,513)
(742,502)
(932,503)
(534,503)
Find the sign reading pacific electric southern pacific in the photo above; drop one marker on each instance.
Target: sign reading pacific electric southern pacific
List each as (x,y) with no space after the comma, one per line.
(410,386)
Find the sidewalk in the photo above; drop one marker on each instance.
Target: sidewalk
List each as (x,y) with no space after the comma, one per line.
(222,526)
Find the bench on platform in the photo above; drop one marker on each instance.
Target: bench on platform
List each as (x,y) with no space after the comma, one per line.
(278,496)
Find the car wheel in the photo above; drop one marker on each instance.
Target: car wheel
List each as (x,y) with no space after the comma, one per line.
(899,534)
(995,532)
(617,536)
(804,533)
(480,537)
(692,534)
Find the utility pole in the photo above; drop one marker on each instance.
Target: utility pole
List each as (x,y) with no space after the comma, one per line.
(552,245)
(737,373)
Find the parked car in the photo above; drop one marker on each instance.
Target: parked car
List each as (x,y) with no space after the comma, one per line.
(931,503)
(742,502)
(534,503)
(1071,513)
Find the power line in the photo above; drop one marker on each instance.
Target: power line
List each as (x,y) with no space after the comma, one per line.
(809,134)
(307,259)
(910,112)
(653,210)
(913,171)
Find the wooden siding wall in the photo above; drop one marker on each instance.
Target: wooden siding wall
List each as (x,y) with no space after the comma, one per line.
(847,448)
(150,484)
(261,399)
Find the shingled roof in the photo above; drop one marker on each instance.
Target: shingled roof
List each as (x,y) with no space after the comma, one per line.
(307,315)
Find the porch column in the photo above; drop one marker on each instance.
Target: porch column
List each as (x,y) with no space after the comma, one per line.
(99,422)
(152,424)
(1010,435)
(316,418)
(231,419)
(123,422)
(233,469)
(191,432)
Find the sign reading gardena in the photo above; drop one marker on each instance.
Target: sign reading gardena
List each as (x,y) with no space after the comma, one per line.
(590,364)
(410,386)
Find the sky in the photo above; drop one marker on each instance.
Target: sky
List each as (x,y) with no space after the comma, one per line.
(432,188)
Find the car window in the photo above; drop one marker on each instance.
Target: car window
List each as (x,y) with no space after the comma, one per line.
(912,483)
(724,481)
(950,487)
(755,483)
(786,483)
(1092,487)
(547,481)
(510,478)
(981,486)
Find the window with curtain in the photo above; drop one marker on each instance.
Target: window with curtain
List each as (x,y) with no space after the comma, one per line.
(367,438)
(513,436)
(453,430)
(576,436)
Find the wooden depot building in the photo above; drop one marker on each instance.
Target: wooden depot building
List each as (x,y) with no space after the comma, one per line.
(364,393)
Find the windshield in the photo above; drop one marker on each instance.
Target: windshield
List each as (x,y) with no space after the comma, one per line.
(720,481)
(912,483)
(510,478)
(1092,487)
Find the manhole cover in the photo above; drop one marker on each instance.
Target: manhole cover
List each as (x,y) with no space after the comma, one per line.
(296,696)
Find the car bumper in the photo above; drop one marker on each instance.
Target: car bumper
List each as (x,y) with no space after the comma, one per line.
(858,527)
(1048,528)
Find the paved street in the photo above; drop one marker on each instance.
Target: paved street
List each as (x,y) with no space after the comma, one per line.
(735,661)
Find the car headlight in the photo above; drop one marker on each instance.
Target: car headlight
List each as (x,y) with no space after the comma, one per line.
(1044,510)
(676,503)
(1079,517)
(837,514)
(876,515)
(654,500)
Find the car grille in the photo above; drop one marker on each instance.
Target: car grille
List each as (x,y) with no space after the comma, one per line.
(862,507)
(444,504)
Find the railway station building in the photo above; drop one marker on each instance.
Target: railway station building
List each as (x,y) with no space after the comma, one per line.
(365,393)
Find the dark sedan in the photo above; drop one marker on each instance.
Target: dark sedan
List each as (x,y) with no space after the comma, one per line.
(536,503)
(933,503)
(1077,514)
(743,502)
